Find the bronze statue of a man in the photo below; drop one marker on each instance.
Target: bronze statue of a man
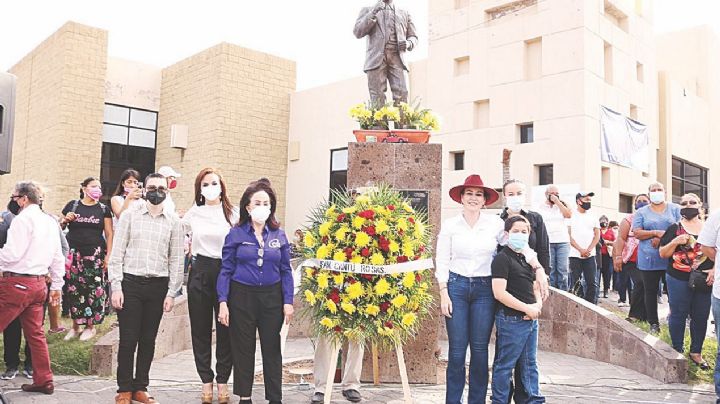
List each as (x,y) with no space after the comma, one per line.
(390,33)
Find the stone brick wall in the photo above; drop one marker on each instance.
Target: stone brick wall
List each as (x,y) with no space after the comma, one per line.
(59,113)
(236,103)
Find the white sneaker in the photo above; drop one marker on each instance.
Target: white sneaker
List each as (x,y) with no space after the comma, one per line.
(71,334)
(87,334)
(623,304)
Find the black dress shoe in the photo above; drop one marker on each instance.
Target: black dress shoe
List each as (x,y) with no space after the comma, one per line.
(47,388)
(352,395)
(654,329)
(318,398)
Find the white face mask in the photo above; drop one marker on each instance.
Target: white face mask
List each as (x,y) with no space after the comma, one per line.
(515,202)
(657,197)
(260,214)
(211,192)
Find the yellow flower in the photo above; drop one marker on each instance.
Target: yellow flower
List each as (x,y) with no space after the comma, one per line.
(324,229)
(327,322)
(382,287)
(378,115)
(339,279)
(419,230)
(409,279)
(362,199)
(408,208)
(330,212)
(402,224)
(323,280)
(394,246)
(362,239)
(408,250)
(372,310)
(358,222)
(322,252)
(308,240)
(356,259)
(348,307)
(409,319)
(354,290)
(399,300)
(339,256)
(331,306)
(377,259)
(382,226)
(340,233)
(349,210)
(310,297)
(309,272)
(385,331)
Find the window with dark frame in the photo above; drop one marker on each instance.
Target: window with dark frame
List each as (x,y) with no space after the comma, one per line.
(129,140)
(625,203)
(458,160)
(338,169)
(545,174)
(689,177)
(526,133)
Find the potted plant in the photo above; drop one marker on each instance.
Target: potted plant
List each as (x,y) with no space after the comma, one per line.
(415,123)
(374,122)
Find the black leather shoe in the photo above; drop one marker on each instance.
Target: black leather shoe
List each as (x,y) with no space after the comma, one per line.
(47,388)
(318,398)
(352,395)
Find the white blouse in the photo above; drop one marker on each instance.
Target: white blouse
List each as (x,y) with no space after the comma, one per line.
(209,228)
(469,251)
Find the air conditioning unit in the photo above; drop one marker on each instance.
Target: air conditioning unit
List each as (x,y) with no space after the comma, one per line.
(7,119)
(178,136)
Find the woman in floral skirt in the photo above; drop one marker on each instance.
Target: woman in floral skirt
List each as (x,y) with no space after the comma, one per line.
(90,238)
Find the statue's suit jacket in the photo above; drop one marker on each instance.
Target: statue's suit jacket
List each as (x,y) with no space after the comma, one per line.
(376,37)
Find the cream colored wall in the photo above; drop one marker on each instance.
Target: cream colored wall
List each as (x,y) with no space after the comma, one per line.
(133,84)
(59,113)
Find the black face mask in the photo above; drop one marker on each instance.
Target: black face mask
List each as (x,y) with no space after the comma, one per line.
(585,205)
(689,213)
(603,225)
(155,197)
(14,207)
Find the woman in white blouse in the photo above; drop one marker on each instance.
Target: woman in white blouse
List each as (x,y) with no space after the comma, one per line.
(209,220)
(466,246)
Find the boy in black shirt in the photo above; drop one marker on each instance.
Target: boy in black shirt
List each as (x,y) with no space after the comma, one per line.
(516,323)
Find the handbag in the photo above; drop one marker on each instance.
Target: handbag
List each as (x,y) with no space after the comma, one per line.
(71,253)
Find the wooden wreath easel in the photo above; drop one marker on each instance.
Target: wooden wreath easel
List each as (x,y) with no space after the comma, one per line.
(407,397)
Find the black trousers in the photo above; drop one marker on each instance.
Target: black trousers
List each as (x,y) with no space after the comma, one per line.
(11,350)
(256,308)
(651,286)
(139,322)
(606,271)
(637,296)
(203,308)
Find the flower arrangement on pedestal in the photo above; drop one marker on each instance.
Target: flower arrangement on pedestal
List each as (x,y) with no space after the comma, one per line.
(411,124)
(349,240)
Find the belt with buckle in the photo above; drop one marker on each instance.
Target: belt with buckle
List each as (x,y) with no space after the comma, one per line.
(6,274)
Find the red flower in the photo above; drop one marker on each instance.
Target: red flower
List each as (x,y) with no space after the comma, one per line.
(365,252)
(348,252)
(351,280)
(418,277)
(370,230)
(421,248)
(415,258)
(390,207)
(334,296)
(325,239)
(411,220)
(389,324)
(367,214)
(402,259)
(384,306)
(337,328)
(367,277)
(341,217)
(384,244)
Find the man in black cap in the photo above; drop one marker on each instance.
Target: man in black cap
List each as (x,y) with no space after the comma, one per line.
(584,232)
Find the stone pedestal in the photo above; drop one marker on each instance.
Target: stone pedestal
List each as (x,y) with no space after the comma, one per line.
(416,167)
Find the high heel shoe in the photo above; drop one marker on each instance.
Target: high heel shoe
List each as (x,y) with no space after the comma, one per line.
(223,395)
(207,398)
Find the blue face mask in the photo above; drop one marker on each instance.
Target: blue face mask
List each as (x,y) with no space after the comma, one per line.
(657,197)
(518,241)
(640,204)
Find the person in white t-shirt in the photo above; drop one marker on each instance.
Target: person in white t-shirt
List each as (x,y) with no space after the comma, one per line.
(555,214)
(710,240)
(209,220)
(584,230)
(172,177)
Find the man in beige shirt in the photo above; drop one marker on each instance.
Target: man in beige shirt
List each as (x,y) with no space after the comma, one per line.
(146,273)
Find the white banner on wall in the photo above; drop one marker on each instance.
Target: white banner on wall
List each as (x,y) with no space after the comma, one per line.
(624,141)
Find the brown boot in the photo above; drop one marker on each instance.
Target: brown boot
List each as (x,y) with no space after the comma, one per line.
(124,398)
(143,397)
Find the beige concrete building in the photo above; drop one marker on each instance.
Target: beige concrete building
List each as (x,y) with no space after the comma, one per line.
(531,76)
(81,113)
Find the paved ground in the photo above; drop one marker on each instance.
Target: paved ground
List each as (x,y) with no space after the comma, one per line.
(564,378)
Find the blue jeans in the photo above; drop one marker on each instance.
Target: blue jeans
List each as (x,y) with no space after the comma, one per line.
(559,265)
(587,268)
(473,312)
(516,344)
(624,283)
(686,302)
(716,315)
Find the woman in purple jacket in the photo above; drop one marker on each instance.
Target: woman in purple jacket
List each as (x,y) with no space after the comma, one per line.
(255,290)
